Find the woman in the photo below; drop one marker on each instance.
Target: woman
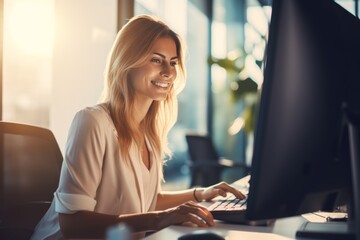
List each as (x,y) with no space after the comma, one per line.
(113,162)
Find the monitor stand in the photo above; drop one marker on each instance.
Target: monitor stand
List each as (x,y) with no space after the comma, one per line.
(349,230)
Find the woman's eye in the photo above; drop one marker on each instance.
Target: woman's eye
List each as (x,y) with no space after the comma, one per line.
(155,60)
(173,64)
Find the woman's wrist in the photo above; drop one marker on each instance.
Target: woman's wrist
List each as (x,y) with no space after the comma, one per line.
(161,220)
(197,194)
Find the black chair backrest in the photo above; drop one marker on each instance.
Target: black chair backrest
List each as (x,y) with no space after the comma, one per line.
(205,168)
(30,163)
(201,148)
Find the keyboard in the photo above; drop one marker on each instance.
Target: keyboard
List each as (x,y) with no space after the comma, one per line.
(229,209)
(233,210)
(230,203)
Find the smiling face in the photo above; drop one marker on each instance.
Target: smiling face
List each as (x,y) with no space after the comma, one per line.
(153,80)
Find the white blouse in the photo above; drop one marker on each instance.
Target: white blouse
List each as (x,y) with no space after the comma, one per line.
(95,177)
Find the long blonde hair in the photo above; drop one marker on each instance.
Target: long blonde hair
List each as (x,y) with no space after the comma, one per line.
(130,50)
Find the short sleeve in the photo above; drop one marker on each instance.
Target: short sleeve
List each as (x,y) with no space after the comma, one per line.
(81,171)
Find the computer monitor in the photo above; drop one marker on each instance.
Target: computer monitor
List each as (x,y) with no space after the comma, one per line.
(303,154)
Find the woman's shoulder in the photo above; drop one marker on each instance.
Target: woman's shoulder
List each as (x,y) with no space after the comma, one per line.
(94,115)
(98,111)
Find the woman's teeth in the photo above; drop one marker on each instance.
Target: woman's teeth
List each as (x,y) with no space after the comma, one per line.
(161,84)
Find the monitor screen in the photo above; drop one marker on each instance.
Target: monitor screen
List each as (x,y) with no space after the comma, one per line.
(301,160)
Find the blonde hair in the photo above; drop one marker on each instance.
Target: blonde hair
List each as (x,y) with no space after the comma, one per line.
(130,50)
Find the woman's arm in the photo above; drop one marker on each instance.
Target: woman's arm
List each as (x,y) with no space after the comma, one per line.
(173,198)
(86,224)
(169,199)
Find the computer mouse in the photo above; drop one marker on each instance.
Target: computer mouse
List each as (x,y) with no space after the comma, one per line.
(201,235)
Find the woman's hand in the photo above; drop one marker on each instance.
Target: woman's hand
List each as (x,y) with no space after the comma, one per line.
(220,189)
(189,212)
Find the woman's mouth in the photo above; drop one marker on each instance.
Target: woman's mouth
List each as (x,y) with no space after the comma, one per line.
(161,84)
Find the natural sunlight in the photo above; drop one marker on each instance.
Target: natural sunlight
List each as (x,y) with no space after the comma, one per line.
(31,25)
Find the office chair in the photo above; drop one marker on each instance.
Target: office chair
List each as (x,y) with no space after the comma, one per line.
(30,163)
(206,165)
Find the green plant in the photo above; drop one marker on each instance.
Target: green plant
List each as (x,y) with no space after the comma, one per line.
(244,73)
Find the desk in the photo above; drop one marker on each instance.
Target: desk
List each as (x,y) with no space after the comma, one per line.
(282,229)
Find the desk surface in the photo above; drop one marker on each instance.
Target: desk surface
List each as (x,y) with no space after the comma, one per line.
(282,229)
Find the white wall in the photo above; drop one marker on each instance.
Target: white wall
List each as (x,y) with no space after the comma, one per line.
(84,33)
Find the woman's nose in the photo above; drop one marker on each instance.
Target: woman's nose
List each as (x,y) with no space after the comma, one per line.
(166,70)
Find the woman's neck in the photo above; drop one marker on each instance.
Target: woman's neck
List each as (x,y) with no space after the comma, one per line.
(141,109)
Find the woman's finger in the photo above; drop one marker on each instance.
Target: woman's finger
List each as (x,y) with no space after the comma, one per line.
(198,221)
(198,211)
(221,189)
(228,188)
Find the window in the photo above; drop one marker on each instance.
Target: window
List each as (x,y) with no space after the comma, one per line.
(239,39)
(54,58)
(27,60)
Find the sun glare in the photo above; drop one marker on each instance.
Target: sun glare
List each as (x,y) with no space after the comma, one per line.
(30,24)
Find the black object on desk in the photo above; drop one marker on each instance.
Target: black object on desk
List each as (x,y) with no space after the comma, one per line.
(201,235)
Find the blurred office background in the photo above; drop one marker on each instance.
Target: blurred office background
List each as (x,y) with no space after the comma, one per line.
(54,54)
